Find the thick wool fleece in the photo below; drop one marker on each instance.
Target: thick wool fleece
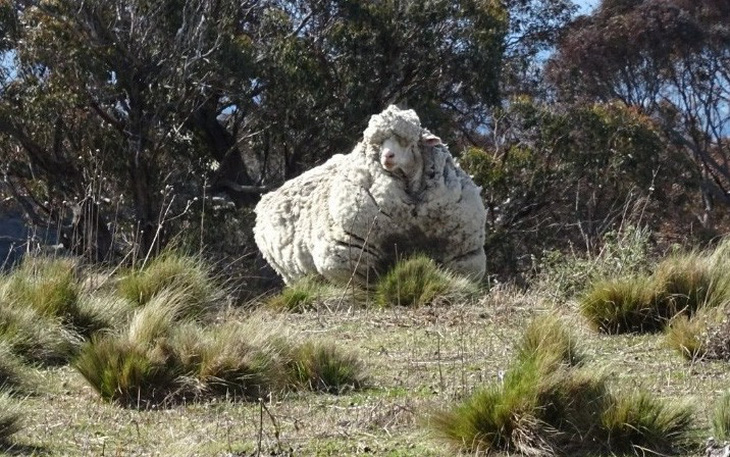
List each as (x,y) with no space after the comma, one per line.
(350,218)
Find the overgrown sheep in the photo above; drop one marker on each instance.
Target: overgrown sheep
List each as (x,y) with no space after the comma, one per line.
(398,192)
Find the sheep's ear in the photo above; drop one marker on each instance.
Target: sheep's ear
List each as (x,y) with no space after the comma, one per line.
(429,139)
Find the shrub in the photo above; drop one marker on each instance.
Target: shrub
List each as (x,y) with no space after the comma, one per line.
(625,305)
(171,270)
(418,281)
(721,418)
(323,367)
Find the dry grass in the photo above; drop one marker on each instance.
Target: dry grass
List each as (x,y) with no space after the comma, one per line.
(418,360)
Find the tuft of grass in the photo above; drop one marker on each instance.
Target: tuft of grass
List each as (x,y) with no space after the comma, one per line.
(238,360)
(299,296)
(624,305)
(638,420)
(687,282)
(721,418)
(323,367)
(123,372)
(171,270)
(418,281)
(547,337)
(51,286)
(10,417)
(685,336)
(37,338)
(547,405)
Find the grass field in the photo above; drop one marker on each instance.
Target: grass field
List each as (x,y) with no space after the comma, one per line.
(419,361)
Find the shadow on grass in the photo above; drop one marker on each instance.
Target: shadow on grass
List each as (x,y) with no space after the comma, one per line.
(23,449)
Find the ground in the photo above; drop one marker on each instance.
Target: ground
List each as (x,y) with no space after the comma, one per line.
(419,360)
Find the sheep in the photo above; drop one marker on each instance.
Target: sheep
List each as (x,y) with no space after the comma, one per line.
(350,219)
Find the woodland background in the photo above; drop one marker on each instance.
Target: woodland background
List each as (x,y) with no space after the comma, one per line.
(127,126)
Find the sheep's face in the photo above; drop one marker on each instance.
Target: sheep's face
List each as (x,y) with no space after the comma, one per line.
(397,153)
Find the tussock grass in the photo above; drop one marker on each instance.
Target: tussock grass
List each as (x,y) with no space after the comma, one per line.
(418,281)
(10,417)
(171,270)
(323,367)
(37,338)
(546,336)
(686,337)
(638,420)
(300,296)
(721,418)
(624,305)
(547,405)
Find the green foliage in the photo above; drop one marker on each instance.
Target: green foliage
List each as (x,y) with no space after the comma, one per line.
(563,177)
(172,271)
(418,281)
(721,418)
(323,367)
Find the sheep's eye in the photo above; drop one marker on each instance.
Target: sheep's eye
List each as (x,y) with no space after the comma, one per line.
(402,142)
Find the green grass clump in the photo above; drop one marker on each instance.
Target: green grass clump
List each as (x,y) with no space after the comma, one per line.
(638,420)
(323,367)
(10,417)
(625,305)
(686,336)
(547,337)
(418,281)
(123,372)
(546,404)
(300,296)
(171,270)
(687,282)
(721,418)
(36,338)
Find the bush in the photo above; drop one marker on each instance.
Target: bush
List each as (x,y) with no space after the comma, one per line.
(323,367)
(624,252)
(418,281)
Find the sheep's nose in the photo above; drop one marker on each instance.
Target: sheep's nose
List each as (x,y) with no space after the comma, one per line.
(388,154)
